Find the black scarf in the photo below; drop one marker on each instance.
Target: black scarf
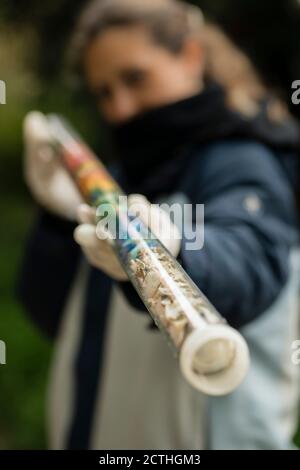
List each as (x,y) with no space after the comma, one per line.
(153,149)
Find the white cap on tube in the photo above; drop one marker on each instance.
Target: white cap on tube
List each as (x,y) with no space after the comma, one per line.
(215,359)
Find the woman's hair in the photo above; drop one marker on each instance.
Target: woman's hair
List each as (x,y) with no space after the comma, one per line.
(171,23)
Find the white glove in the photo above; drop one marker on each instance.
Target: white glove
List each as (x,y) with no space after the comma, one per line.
(100,253)
(48,181)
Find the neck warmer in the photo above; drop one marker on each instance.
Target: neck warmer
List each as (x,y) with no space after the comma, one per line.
(153,149)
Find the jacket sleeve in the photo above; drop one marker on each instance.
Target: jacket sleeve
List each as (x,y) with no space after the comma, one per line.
(47,271)
(250,227)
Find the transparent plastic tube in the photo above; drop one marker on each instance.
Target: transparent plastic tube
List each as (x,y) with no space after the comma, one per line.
(213,357)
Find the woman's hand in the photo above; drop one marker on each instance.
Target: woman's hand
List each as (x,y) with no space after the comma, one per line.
(48,181)
(97,246)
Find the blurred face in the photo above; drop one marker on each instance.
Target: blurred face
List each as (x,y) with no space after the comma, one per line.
(129,73)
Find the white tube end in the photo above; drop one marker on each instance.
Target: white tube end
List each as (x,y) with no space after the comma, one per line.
(220,375)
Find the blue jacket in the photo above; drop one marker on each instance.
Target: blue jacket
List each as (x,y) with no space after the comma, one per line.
(250,228)
(244,262)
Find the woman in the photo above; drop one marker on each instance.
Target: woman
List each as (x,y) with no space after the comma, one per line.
(180,137)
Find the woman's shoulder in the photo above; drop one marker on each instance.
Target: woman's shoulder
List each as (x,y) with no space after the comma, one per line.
(228,163)
(224,153)
(237,158)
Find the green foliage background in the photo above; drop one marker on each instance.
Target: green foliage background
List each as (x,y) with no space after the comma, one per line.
(33,37)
